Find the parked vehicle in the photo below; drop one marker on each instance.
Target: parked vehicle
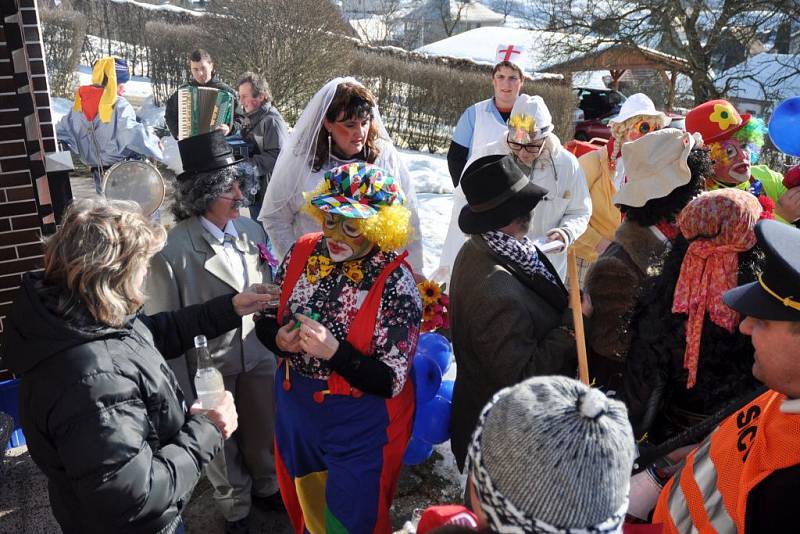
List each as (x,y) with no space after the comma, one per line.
(598,128)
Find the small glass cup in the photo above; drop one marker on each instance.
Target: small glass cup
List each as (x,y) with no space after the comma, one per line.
(273,290)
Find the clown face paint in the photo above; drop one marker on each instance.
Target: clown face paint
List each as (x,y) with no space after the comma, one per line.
(731,161)
(344,239)
(643,127)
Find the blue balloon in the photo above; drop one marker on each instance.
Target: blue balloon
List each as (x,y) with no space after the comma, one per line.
(785,125)
(446,389)
(427,378)
(437,347)
(432,421)
(417,452)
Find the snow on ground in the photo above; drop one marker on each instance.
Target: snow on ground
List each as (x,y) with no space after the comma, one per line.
(434,194)
(59,107)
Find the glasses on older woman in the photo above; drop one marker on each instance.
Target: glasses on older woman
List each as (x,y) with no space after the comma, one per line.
(530,148)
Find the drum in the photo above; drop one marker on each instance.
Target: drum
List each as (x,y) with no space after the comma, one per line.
(136,180)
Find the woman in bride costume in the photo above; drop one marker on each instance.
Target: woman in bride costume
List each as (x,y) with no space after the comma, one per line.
(341,124)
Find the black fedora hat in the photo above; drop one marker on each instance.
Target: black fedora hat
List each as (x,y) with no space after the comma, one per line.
(776,294)
(205,152)
(497,192)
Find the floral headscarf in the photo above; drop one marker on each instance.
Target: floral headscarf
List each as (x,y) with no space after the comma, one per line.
(720,224)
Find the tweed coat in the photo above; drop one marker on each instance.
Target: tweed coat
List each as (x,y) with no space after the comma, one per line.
(506,327)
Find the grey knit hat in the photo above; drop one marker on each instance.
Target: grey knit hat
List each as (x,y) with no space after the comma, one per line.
(552,455)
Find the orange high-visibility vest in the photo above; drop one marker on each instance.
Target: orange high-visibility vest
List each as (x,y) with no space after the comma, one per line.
(710,493)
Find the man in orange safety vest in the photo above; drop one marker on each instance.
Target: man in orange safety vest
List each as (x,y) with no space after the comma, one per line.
(745,476)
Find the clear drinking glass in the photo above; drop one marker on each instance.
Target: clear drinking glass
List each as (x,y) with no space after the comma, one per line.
(273,290)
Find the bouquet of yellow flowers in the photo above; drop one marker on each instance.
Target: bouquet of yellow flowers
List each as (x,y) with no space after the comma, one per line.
(434,305)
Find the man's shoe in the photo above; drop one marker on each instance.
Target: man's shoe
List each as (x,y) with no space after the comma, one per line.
(242,526)
(271,503)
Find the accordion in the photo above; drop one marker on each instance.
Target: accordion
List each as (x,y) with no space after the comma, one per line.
(202,110)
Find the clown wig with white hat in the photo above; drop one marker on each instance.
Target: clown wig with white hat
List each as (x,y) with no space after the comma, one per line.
(637,108)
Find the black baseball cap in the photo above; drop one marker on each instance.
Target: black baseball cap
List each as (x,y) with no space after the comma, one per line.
(776,294)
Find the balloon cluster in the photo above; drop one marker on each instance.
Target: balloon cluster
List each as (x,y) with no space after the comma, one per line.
(433,396)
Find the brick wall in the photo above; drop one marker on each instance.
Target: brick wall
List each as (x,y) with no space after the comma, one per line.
(26,134)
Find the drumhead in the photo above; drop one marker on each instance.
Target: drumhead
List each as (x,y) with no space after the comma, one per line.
(139,181)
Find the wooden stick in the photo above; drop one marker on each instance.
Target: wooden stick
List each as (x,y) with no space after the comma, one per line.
(577,315)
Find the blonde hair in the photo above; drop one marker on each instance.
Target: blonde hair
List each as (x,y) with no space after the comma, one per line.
(390,229)
(96,255)
(620,130)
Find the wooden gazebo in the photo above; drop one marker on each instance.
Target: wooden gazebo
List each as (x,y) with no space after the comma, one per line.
(618,59)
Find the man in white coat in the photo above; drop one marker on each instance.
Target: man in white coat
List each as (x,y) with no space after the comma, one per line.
(483,122)
(563,215)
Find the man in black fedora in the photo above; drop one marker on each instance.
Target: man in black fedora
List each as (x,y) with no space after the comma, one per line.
(209,252)
(508,307)
(751,462)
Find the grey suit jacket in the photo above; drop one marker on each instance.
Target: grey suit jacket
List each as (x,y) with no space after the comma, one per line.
(192,268)
(506,327)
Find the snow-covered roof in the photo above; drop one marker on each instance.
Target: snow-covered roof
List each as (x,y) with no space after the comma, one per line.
(480,45)
(163,7)
(465,12)
(769,77)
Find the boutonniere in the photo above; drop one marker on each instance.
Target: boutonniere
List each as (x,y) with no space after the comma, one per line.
(266,256)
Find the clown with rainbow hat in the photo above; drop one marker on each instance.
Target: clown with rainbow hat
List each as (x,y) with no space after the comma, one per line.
(345,332)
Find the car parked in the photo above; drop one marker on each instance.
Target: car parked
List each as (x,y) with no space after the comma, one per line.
(598,128)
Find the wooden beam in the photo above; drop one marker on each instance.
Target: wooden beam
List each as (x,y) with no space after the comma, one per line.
(616,75)
(671,96)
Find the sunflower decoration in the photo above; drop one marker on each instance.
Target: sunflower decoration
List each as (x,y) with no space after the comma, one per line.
(429,291)
(435,303)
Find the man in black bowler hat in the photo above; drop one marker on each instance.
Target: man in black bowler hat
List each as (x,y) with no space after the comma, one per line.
(745,477)
(210,251)
(508,307)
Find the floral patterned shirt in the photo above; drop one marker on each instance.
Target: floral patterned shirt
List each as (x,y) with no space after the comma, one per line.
(332,292)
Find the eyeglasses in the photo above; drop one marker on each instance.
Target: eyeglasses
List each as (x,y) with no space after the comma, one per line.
(350,228)
(532,148)
(644,126)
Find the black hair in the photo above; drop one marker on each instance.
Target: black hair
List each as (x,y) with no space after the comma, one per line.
(200,55)
(667,208)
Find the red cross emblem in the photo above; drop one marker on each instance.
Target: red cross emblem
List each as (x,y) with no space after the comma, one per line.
(509,52)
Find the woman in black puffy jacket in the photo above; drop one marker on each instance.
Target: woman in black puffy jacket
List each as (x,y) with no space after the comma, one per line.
(102,413)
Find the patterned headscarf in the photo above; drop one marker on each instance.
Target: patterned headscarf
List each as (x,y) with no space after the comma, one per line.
(720,224)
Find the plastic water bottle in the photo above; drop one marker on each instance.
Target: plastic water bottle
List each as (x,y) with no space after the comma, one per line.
(208,380)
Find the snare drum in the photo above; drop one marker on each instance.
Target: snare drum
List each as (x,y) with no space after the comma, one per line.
(136,180)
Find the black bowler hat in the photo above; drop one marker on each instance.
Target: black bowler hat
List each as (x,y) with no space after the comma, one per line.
(497,192)
(776,294)
(205,152)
